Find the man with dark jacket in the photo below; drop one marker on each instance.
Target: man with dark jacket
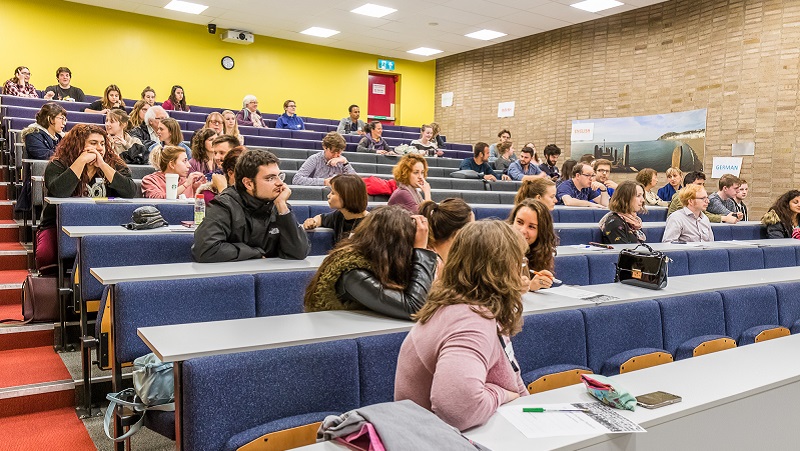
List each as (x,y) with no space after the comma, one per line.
(251,219)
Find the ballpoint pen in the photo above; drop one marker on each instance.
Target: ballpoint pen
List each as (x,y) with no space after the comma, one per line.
(604,246)
(555,281)
(542,409)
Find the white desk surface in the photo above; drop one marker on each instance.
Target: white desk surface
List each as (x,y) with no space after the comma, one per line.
(114,275)
(82,231)
(718,390)
(185,341)
(645,225)
(116,200)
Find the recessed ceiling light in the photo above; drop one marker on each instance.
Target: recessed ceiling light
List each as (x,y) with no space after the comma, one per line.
(186,7)
(373,10)
(485,35)
(594,6)
(320,32)
(425,51)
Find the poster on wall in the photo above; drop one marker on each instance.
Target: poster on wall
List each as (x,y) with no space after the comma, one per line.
(633,143)
(726,165)
(447,99)
(505,109)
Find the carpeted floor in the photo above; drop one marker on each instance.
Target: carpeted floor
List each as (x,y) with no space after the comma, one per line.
(144,440)
(50,429)
(30,366)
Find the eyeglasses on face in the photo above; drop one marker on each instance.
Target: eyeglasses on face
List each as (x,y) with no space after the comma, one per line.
(25,72)
(603,171)
(704,199)
(62,117)
(588,175)
(271,178)
(215,122)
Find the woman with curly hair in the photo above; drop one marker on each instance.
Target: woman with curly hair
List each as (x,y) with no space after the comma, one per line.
(203,152)
(384,266)
(532,219)
(457,360)
(783,217)
(412,188)
(82,161)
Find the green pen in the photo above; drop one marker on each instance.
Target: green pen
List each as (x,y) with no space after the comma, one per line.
(542,409)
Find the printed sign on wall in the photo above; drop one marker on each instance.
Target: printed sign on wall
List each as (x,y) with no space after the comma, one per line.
(379,89)
(583,131)
(726,165)
(505,109)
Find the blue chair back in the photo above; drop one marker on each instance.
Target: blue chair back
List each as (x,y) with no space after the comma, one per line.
(555,338)
(572,269)
(689,316)
(702,261)
(377,360)
(789,305)
(749,307)
(741,259)
(281,293)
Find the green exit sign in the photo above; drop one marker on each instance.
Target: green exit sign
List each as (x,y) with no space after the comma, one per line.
(385,65)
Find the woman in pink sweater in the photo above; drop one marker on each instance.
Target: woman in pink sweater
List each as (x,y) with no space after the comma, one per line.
(171,160)
(457,361)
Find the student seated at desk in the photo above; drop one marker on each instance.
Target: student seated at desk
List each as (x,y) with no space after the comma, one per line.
(42,137)
(226,177)
(384,266)
(348,197)
(445,220)
(541,189)
(171,160)
(533,220)
(203,159)
(82,160)
(581,190)
(698,178)
(412,188)
(622,224)
(457,361)
(253,218)
(689,224)
(319,168)
(783,217)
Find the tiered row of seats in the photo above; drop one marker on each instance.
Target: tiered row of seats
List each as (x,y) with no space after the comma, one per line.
(552,349)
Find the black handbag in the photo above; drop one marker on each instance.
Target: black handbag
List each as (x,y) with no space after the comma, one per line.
(646,269)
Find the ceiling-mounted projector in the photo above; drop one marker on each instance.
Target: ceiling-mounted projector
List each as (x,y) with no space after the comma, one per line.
(237,37)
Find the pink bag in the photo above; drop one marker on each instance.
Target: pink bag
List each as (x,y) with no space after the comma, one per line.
(366,439)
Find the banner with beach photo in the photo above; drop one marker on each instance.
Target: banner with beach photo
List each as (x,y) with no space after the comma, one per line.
(633,143)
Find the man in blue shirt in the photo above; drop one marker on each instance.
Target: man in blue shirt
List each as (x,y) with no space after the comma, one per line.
(603,168)
(480,163)
(289,119)
(578,191)
(523,169)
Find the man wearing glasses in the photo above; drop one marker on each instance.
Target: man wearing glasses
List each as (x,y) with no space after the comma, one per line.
(603,169)
(289,119)
(689,224)
(577,191)
(251,219)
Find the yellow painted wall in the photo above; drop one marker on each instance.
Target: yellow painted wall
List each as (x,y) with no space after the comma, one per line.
(103,46)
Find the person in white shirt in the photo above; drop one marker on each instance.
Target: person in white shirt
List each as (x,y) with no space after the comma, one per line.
(689,224)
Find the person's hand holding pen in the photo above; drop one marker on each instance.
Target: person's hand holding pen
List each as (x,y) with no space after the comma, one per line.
(541,279)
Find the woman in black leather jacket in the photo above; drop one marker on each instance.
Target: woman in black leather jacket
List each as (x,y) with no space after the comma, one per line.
(384,266)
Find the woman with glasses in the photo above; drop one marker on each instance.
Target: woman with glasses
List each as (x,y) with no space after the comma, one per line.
(622,224)
(289,119)
(19,86)
(171,160)
(249,114)
(534,222)
(42,137)
(384,266)
(215,121)
(458,361)
(136,118)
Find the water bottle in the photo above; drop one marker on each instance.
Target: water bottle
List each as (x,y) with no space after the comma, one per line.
(199,208)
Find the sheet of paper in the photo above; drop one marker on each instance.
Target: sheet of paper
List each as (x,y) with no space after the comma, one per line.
(571,292)
(180,228)
(741,243)
(587,247)
(599,419)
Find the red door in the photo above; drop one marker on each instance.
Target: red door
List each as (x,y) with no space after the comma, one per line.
(382,104)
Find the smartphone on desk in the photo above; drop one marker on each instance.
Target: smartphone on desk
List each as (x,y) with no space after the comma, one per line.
(657,399)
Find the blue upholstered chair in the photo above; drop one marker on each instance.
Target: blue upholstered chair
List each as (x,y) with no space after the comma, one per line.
(281,293)
(751,314)
(722,232)
(602,268)
(570,236)
(576,215)
(679,263)
(654,234)
(232,400)
(377,361)
(572,269)
(624,337)
(747,231)
(779,257)
(789,305)
(498,211)
(745,258)
(702,261)
(694,324)
(551,350)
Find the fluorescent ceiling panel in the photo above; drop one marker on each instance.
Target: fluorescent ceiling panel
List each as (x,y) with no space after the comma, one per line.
(373,10)
(424,51)
(320,32)
(485,35)
(186,7)
(594,6)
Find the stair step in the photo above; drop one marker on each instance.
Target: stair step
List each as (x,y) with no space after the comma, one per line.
(26,336)
(11,311)
(36,397)
(27,366)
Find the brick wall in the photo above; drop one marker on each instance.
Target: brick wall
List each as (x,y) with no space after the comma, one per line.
(739,59)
